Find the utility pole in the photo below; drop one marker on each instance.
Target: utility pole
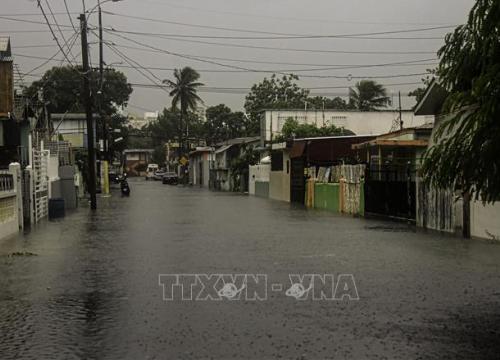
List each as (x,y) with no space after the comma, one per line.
(88,111)
(106,157)
(400,113)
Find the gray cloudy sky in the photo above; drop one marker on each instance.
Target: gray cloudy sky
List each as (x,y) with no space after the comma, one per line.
(256,18)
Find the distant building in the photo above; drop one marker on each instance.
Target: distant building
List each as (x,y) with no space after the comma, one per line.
(72,127)
(136,122)
(136,160)
(201,111)
(361,123)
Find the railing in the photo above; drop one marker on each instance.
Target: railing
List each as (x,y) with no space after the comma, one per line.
(6,181)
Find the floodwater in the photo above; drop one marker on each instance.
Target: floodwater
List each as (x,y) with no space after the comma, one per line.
(87,286)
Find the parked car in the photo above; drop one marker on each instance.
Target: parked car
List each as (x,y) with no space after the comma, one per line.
(159,174)
(150,171)
(170,178)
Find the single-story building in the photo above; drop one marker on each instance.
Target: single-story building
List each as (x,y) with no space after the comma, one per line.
(222,175)
(358,122)
(136,161)
(200,162)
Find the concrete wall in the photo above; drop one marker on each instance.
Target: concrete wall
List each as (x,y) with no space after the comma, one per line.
(11,202)
(485,220)
(279,181)
(361,123)
(258,173)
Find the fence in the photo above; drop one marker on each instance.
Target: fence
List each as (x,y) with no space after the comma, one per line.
(11,213)
(337,189)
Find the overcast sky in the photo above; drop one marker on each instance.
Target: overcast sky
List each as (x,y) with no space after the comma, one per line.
(235,18)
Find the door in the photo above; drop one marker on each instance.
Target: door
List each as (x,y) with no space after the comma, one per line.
(297,181)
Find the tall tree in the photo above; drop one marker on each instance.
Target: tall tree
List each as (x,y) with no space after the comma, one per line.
(367,95)
(321,102)
(466,154)
(223,124)
(273,93)
(61,88)
(184,93)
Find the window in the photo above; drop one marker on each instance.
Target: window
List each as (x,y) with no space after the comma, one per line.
(277,161)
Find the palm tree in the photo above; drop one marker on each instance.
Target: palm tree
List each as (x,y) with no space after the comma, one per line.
(183,92)
(367,95)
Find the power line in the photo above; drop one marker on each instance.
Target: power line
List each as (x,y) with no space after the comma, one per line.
(422,62)
(301,19)
(52,32)
(232,66)
(273,33)
(271,48)
(59,28)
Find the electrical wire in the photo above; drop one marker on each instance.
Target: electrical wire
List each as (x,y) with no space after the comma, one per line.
(52,32)
(271,48)
(59,29)
(274,33)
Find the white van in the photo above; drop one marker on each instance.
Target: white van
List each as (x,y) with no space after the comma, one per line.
(150,171)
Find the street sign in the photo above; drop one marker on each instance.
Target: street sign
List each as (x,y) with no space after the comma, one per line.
(184,161)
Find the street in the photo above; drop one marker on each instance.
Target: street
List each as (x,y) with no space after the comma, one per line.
(87,286)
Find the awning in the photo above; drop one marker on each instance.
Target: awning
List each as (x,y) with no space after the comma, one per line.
(222,149)
(297,150)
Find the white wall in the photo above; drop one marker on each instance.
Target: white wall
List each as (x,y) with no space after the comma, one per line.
(257,173)
(361,123)
(485,220)
(279,181)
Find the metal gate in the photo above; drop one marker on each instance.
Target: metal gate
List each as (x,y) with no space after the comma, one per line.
(391,192)
(27,191)
(40,184)
(298,181)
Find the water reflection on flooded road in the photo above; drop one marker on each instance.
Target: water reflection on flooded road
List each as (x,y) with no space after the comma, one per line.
(87,286)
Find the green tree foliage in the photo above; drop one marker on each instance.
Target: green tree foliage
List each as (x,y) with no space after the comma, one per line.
(62,88)
(466,155)
(273,93)
(184,94)
(223,124)
(321,102)
(418,94)
(292,129)
(367,95)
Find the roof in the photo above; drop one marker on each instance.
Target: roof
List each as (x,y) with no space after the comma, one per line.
(5,53)
(71,116)
(335,137)
(223,148)
(201,150)
(391,143)
(426,128)
(138,151)
(433,99)
(242,140)
(335,110)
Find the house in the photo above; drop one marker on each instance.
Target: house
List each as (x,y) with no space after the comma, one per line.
(136,161)
(446,210)
(7,149)
(359,122)
(393,160)
(200,162)
(308,155)
(223,176)
(72,127)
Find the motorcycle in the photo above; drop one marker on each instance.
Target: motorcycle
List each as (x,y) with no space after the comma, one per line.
(125,189)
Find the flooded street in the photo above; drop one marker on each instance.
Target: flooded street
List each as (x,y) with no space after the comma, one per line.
(87,286)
